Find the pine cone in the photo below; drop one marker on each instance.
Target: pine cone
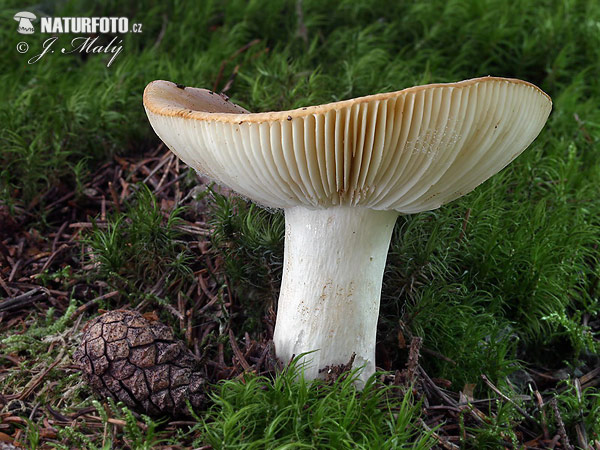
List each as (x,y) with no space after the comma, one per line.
(130,358)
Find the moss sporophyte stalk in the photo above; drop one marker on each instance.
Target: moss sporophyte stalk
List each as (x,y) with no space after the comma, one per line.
(342,173)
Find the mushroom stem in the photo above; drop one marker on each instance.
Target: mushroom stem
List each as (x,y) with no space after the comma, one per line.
(332,273)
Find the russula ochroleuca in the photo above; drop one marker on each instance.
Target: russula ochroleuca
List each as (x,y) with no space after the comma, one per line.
(342,173)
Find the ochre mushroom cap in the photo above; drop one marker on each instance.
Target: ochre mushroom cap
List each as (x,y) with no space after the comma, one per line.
(410,151)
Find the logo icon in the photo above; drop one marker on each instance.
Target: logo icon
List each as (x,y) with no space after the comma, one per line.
(25,22)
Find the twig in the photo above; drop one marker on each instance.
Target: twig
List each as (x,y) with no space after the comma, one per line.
(88,225)
(60,416)
(37,380)
(464,225)
(438,355)
(16,361)
(52,256)
(302,32)
(450,401)
(113,195)
(13,272)
(161,33)
(60,200)
(8,290)
(413,359)
(590,379)
(221,354)
(262,358)
(225,62)
(517,407)
(238,352)
(437,390)
(177,184)
(443,442)
(167,157)
(118,422)
(540,401)
(582,128)
(174,311)
(582,439)
(561,425)
(92,302)
(17,302)
(59,233)
(554,441)
(231,79)
(170,183)
(166,172)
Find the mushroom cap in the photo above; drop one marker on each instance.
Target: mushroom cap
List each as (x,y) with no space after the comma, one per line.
(412,150)
(24,15)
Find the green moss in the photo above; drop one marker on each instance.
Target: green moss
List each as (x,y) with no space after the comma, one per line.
(519,286)
(290,413)
(140,248)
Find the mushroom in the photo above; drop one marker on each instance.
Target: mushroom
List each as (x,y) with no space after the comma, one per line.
(24,18)
(343,172)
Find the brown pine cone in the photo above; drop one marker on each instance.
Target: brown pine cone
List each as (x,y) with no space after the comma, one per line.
(130,358)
